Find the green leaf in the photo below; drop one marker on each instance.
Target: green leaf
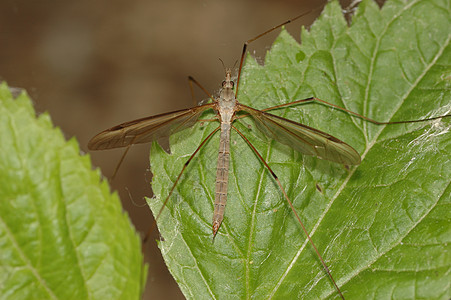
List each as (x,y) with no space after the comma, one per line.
(383,226)
(63,235)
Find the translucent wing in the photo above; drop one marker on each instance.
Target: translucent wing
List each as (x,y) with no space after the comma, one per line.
(147,129)
(302,138)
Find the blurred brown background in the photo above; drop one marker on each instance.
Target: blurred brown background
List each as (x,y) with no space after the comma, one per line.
(95,64)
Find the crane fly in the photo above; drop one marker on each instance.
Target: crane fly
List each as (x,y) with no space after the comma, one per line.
(227,108)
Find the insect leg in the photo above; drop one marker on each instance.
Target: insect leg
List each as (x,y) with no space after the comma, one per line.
(292,208)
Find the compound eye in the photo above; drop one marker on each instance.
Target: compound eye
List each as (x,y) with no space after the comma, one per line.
(233,84)
(224,83)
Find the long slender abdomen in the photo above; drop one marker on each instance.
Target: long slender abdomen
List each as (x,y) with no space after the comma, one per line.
(222,177)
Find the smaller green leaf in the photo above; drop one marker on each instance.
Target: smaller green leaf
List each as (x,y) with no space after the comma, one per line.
(63,235)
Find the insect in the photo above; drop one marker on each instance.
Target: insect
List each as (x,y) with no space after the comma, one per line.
(300,137)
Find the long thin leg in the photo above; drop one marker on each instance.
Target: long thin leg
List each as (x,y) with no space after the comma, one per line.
(319,101)
(243,54)
(175,183)
(292,208)
(192,80)
(120,162)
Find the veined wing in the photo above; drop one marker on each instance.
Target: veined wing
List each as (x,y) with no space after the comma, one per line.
(147,129)
(302,138)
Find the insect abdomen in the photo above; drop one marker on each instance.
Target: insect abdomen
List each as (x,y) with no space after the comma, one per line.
(222,177)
